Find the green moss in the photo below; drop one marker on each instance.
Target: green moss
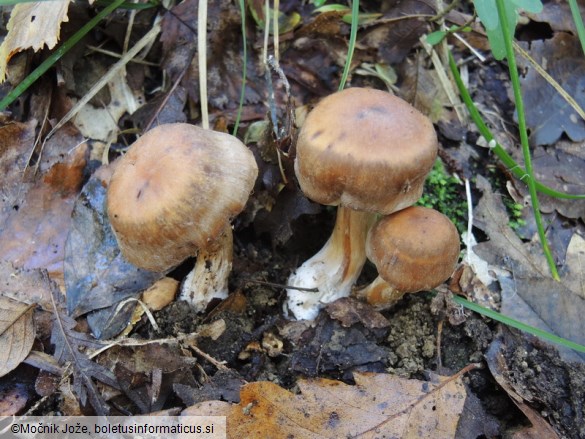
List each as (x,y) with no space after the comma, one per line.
(445,193)
(515,213)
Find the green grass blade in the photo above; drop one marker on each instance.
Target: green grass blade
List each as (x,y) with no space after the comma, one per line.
(56,55)
(578,22)
(500,152)
(244,68)
(518,325)
(355,9)
(127,4)
(515,79)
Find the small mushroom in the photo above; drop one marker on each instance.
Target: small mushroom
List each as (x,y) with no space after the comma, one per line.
(173,195)
(415,249)
(365,151)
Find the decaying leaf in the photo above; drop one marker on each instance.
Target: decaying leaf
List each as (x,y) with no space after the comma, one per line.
(535,377)
(17,333)
(37,203)
(28,286)
(548,115)
(68,349)
(224,52)
(101,123)
(423,89)
(289,205)
(557,15)
(32,26)
(34,234)
(562,168)
(225,385)
(378,405)
(147,373)
(350,311)
(97,277)
(528,276)
(13,398)
(400,29)
(328,346)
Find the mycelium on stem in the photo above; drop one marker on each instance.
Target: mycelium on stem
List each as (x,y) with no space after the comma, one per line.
(367,152)
(173,195)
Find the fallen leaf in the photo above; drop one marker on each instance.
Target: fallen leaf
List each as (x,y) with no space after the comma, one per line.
(26,286)
(528,278)
(16,145)
(536,378)
(557,14)
(422,87)
(378,405)
(224,53)
(32,26)
(71,347)
(101,123)
(36,204)
(350,311)
(289,205)
(400,30)
(146,374)
(13,398)
(327,346)
(548,115)
(33,236)
(224,385)
(97,277)
(563,169)
(17,333)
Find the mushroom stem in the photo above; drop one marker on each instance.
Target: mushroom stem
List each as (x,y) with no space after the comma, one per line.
(209,278)
(334,269)
(380,294)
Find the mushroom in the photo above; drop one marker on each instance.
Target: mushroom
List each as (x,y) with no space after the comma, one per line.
(415,249)
(365,151)
(173,195)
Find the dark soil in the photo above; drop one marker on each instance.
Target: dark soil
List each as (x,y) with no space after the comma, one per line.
(408,345)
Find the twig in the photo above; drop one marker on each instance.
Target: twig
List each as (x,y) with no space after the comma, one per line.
(202,56)
(150,35)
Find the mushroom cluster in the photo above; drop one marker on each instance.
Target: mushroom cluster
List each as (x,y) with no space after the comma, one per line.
(173,195)
(367,152)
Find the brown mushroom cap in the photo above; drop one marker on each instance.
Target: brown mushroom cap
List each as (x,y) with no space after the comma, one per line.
(414,249)
(175,191)
(365,149)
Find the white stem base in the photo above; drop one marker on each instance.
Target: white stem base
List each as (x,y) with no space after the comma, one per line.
(334,269)
(209,278)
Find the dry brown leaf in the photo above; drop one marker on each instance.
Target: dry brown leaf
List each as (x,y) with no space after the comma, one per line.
(28,286)
(32,26)
(34,235)
(13,398)
(499,367)
(548,115)
(379,405)
(529,293)
(17,333)
(101,123)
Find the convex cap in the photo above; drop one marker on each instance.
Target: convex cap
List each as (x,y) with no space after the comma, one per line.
(365,149)
(175,191)
(414,249)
